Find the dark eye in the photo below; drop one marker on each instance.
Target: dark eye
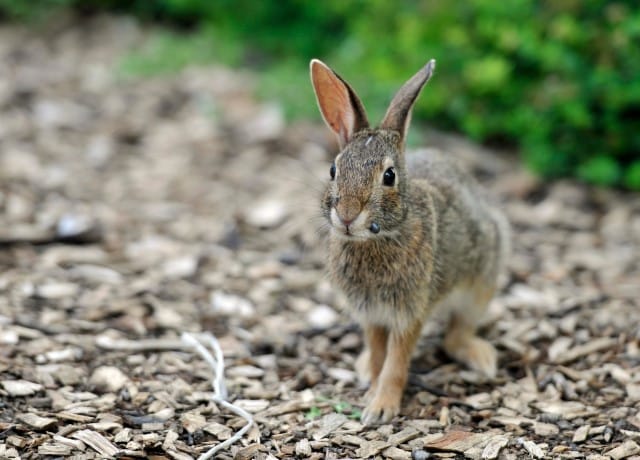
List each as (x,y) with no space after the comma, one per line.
(332,171)
(389,177)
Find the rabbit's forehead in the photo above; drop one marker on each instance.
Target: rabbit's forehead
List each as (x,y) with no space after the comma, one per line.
(367,151)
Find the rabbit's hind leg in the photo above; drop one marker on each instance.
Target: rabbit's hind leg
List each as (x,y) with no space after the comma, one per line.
(461,341)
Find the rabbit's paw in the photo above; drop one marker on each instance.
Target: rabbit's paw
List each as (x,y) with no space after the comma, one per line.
(476,353)
(381,409)
(371,393)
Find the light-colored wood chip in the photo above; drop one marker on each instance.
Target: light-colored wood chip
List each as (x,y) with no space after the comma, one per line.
(303,448)
(494,446)
(533,449)
(403,436)
(395,453)
(565,409)
(97,442)
(54,449)
(328,424)
(220,431)
(36,422)
(581,434)
(17,388)
(193,421)
(370,448)
(73,443)
(458,441)
(592,346)
(624,450)
(545,429)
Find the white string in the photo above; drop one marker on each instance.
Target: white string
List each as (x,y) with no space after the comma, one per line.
(219,388)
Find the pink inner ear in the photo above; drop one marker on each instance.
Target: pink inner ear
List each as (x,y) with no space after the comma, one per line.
(334,102)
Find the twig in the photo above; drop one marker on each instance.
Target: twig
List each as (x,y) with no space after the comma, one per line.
(219,388)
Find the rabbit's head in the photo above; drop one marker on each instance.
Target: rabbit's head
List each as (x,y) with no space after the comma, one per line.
(365,197)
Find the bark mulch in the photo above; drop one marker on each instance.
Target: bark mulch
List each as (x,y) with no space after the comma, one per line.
(134,210)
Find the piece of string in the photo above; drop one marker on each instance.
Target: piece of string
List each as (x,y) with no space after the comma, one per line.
(219,388)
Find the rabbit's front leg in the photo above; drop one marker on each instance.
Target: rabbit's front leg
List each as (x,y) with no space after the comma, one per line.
(372,358)
(387,393)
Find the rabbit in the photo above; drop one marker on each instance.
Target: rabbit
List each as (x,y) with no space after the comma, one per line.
(408,234)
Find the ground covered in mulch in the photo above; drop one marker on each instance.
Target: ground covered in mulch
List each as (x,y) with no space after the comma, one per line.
(132,211)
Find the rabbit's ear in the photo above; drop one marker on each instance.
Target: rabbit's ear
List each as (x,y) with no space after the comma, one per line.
(398,114)
(340,106)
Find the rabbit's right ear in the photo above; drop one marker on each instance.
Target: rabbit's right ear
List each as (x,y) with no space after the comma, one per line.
(340,106)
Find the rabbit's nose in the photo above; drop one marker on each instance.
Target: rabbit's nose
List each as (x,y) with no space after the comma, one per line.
(346,222)
(348,209)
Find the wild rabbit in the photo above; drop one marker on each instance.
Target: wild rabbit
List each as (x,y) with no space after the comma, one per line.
(407,234)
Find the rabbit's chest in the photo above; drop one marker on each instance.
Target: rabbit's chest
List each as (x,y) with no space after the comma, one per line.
(378,278)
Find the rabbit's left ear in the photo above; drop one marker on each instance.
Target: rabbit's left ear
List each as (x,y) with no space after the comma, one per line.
(398,114)
(341,108)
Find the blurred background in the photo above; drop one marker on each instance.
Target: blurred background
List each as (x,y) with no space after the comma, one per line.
(556,81)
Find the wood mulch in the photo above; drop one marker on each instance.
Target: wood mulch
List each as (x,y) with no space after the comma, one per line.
(134,210)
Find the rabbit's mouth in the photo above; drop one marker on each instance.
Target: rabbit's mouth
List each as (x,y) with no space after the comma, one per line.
(354,229)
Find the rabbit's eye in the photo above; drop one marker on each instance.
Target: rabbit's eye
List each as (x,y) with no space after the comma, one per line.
(389,177)
(332,171)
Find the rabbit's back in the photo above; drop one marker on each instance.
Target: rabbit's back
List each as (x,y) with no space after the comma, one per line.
(473,236)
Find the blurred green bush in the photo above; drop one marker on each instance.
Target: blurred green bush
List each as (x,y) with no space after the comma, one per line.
(559,79)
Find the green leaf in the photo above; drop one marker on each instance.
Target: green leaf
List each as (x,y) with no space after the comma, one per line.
(632,176)
(600,170)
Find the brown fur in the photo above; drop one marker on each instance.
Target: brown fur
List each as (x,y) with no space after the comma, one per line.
(438,242)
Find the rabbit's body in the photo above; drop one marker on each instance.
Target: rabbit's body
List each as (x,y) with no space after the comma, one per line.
(408,233)
(436,256)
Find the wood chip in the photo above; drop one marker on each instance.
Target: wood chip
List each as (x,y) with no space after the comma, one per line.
(73,443)
(220,431)
(403,436)
(396,454)
(252,405)
(54,449)
(494,446)
(458,441)
(17,388)
(565,409)
(624,450)
(66,415)
(192,421)
(532,448)
(16,441)
(593,346)
(97,442)
(36,422)
(247,453)
(108,379)
(329,424)
(169,440)
(353,440)
(545,429)
(633,392)
(581,434)
(480,401)
(303,448)
(370,448)
(123,436)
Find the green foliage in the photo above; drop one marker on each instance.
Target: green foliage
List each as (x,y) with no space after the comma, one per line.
(557,79)
(168,52)
(313,413)
(30,10)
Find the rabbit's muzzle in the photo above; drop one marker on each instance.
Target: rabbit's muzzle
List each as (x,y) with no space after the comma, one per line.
(348,216)
(347,209)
